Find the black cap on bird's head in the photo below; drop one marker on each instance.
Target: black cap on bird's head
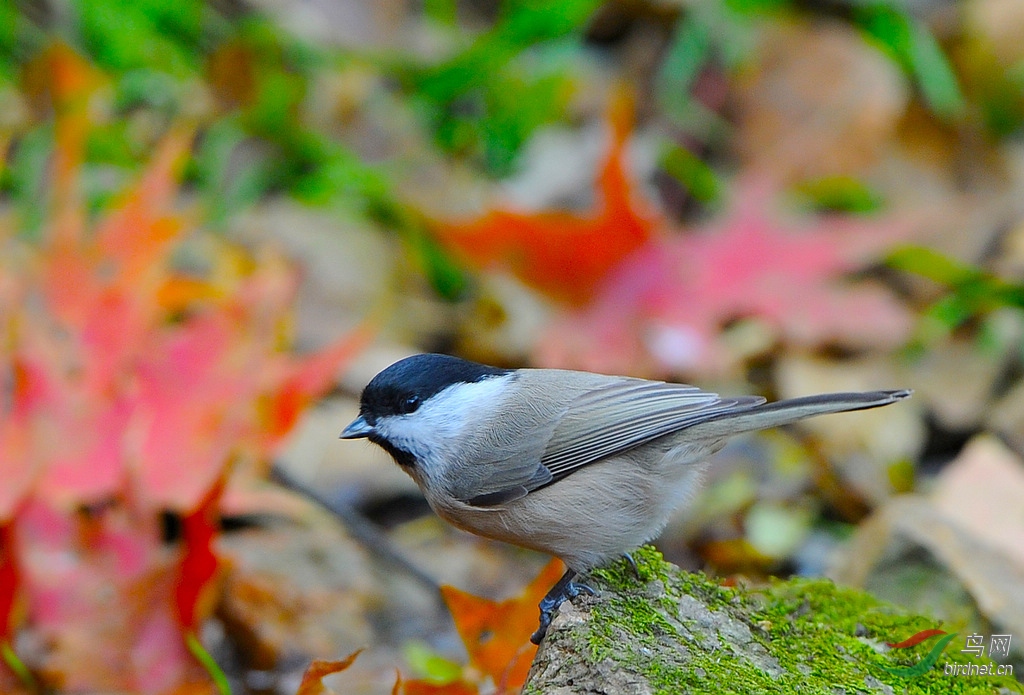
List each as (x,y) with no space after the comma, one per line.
(401,388)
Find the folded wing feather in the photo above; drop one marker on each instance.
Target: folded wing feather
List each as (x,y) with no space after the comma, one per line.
(612,416)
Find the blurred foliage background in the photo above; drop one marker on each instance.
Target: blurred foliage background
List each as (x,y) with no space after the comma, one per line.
(219,219)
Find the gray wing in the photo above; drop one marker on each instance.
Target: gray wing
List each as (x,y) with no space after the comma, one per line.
(627,413)
(607,416)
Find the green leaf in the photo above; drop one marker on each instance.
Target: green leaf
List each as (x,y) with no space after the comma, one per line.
(716,32)
(526,22)
(9,18)
(20,39)
(335,171)
(226,188)
(839,194)
(445,276)
(973,291)
(113,143)
(430,665)
(518,102)
(933,265)
(277,99)
(934,74)
(758,6)
(692,173)
(687,54)
(197,650)
(912,46)
(488,98)
(150,88)
(129,34)
(890,29)
(24,177)
(443,12)
(18,667)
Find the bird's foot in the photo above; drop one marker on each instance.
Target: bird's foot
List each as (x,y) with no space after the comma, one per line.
(564,589)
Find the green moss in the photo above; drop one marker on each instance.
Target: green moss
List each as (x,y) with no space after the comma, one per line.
(687,633)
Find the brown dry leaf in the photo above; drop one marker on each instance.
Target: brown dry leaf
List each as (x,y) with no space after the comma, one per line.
(820,102)
(983,492)
(295,590)
(1000,24)
(1007,417)
(962,545)
(312,679)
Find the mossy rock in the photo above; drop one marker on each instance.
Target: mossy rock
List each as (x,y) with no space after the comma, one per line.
(669,631)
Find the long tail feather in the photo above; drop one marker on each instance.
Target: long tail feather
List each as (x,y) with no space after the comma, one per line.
(767,415)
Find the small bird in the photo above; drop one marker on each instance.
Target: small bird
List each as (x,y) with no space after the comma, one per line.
(582,466)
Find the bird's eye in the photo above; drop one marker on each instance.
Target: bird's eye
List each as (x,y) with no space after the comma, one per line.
(410,404)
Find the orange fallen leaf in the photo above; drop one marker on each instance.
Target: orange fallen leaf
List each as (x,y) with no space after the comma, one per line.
(456,688)
(17,464)
(312,679)
(497,634)
(565,254)
(418,687)
(137,235)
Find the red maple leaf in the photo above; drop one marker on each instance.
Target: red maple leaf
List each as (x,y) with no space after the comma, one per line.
(101,595)
(131,389)
(664,308)
(10,578)
(565,254)
(193,596)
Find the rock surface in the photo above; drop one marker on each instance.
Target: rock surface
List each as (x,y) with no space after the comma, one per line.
(673,632)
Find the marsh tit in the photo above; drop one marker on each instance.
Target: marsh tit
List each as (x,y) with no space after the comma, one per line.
(581,466)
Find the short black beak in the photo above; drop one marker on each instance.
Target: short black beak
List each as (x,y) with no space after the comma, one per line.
(358,429)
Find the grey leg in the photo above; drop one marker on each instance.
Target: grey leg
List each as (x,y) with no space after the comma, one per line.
(564,588)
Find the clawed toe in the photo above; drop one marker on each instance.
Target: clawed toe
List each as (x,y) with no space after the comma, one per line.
(632,563)
(574,589)
(545,621)
(564,589)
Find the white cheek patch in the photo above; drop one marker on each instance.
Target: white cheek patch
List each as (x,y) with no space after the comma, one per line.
(433,431)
